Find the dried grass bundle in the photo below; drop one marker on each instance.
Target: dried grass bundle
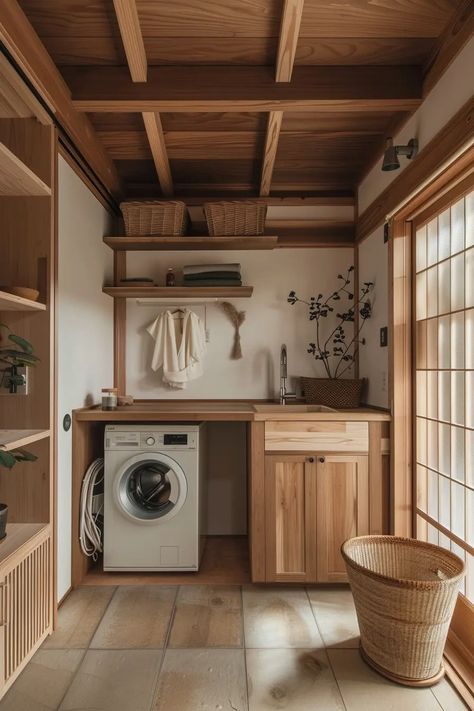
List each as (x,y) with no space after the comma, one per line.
(237,318)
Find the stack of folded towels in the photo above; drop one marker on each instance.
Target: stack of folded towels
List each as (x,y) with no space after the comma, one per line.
(212,275)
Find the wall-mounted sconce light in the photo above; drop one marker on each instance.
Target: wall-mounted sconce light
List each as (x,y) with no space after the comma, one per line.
(390,157)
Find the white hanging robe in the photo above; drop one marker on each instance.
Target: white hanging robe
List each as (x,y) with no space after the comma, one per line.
(179,349)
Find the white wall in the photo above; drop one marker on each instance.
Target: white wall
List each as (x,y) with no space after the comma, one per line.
(85,337)
(270,322)
(453,90)
(373,359)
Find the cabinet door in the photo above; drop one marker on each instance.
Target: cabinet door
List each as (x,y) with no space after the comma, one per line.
(290,518)
(342,510)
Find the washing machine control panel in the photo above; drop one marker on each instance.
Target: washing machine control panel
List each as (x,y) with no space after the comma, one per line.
(153,441)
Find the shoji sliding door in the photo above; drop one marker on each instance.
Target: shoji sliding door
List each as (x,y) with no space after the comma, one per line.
(444,368)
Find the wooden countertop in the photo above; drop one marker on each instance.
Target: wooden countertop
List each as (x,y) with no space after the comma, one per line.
(224,410)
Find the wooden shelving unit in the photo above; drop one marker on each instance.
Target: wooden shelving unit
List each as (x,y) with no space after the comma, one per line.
(190,242)
(18,535)
(11,302)
(16,179)
(177,292)
(14,439)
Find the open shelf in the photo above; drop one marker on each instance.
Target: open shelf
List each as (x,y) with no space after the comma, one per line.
(18,535)
(187,242)
(16,179)
(11,302)
(13,439)
(178,292)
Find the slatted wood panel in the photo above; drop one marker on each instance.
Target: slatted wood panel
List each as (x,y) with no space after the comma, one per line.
(26,604)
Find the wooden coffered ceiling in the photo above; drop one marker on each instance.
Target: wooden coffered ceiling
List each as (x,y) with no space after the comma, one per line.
(247,97)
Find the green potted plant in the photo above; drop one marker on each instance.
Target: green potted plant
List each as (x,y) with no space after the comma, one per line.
(18,352)
(336,351)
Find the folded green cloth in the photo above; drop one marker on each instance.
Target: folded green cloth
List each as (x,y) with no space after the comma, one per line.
(213,282)
(212,275)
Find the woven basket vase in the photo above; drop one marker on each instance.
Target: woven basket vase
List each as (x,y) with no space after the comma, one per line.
(235,218)
(343,393)
(404,592)
(154,217)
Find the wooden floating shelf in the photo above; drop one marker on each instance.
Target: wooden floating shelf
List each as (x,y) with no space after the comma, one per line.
(19,535)
(14,439)
(16,179)
(11,302)
(177,292)
(188,242)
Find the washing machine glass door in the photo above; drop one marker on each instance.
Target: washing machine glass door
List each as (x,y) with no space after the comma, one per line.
(150,488)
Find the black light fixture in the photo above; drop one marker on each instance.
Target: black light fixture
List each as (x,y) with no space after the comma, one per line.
(390,157)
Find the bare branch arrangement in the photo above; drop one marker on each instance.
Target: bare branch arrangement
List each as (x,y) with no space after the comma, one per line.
(336,353)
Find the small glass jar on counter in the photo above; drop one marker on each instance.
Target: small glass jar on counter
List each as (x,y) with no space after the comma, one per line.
(109,398)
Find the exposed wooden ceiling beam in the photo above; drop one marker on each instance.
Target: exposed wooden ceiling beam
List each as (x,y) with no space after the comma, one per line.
(129,24)
(453,39)
(236,89)
(271,147)
(24,45)
(289,32)
(156,139)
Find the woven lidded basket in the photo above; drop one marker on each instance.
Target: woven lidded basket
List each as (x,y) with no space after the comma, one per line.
(342,393)
(235,217)
(154,217)
(404,592)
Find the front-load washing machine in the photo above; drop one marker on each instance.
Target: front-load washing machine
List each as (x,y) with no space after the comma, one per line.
(153,482)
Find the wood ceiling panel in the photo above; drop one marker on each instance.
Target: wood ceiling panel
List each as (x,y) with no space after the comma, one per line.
(339,50)
(344,150)
(322,122)
(376,18)
(215,171)
(116,122)
(126,145)
(218,145)
(72,18)
(218,121)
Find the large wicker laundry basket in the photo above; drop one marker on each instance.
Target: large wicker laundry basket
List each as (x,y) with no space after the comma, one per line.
(404,593)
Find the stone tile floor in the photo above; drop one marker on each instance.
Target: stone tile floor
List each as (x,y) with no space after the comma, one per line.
(203,648)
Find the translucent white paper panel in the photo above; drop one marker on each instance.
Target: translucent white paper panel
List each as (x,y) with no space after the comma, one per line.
(444,234)
(444,395)
(444,342)
(421,393)
(470,399)
(421,362)
(457,340)
(432,242)
(470,220)
(470,461)
(421,440)
(457,453)
(444,448)
(422,488)
(432,394)
(469,338)
(421,296)
(457,226)
(469,265)
(457,282)
(421,249)
(444,287)
(457,397)
(432,343)
(432,444)
(433,535)
(433,494)
(458,505)
(444,541)
(432,292)
(444,514)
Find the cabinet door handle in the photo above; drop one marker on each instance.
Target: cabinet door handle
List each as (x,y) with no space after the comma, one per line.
(311,459)
(322,459)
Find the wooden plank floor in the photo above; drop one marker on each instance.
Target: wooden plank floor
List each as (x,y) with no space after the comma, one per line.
(225,562)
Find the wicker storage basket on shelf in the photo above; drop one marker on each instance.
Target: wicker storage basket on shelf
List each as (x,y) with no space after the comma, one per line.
(235,217)
(154,217)
(404,592)
(341,393)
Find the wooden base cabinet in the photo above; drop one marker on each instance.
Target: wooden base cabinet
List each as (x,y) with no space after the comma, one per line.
(313,502)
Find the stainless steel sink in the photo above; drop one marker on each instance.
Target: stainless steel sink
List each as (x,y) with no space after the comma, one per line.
(276,407)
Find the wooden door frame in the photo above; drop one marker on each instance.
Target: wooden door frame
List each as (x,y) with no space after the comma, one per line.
(447,187)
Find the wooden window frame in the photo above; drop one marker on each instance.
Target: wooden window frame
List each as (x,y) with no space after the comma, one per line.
(458,181)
